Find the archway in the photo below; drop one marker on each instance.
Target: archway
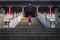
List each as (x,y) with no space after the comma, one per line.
(30,11)
(5,8)
(43,9)
(16,9)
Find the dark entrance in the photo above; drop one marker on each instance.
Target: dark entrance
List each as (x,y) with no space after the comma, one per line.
(30,11)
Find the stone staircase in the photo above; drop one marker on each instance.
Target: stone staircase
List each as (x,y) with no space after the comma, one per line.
(24,32)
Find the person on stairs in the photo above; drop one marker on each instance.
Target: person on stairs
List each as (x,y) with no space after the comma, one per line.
(29,20)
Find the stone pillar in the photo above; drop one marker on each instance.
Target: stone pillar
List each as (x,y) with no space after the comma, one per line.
(57,18)
(23,11)
(2,11)
(9,9)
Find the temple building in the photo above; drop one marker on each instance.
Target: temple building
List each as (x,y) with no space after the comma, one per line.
(14,23)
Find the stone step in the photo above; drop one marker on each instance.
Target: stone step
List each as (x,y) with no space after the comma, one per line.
(28,33)
(18,34)
(35,32)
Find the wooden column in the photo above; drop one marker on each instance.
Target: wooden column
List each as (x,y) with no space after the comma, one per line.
(9,9)
(37,10)
(50,8)
(23,11)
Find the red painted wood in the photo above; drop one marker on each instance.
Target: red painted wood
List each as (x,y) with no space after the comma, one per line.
(9,10)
